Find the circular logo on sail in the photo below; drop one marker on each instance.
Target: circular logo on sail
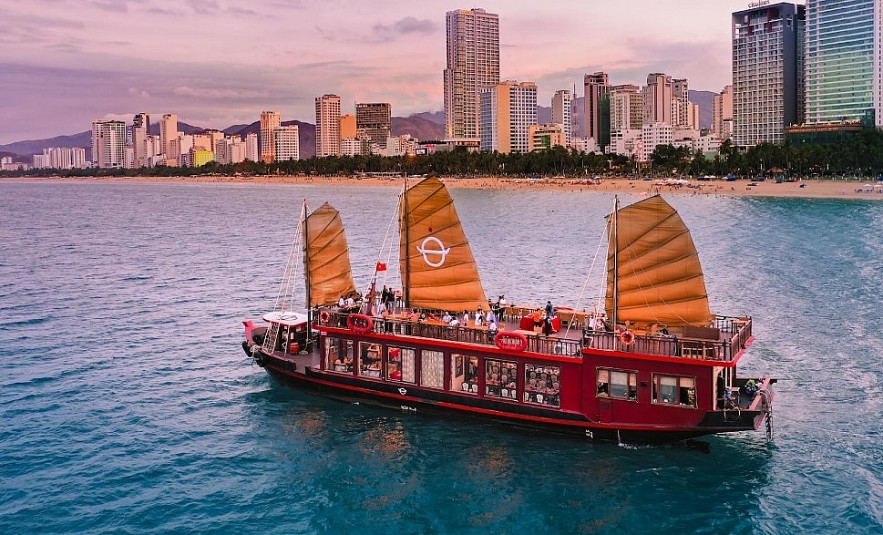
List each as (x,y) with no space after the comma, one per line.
(438,252)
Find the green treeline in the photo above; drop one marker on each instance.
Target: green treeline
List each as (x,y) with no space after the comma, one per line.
(859,155)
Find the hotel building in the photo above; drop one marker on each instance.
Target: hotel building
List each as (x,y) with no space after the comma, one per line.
(168,136)
(374,120)
(658,96)
(270,121)
(108,144)
(327,126)
(722,113)
(473,63)
(286,145)
(507,112)
(767,72)
(842,60)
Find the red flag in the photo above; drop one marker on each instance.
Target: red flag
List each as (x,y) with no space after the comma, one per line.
(381,266)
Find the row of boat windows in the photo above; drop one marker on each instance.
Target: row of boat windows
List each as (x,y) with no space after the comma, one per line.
(667,389)
(538,384)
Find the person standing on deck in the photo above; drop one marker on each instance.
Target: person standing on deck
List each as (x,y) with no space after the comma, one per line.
(550,310)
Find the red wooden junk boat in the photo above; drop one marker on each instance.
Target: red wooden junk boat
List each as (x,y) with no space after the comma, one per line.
(657,367)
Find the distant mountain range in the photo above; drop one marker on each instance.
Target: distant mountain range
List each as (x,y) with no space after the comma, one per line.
(424,126)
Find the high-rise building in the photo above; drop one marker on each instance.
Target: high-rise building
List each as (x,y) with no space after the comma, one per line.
(653,135)
(374,120)
(168,135)
(507,112)
(562,113)
(842,62)
(657,99)
(61,158)
(348,126)
(270,121)
(252,152)
(722,113)
(596,87)
(626,108)
(287,145)
(327,126)
(680,103)
(767,69)
(108,144)
(473,63)
(140,131)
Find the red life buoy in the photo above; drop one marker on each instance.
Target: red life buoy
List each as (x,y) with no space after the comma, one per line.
(324,317)
(511,340)
(360,323)
(626,338)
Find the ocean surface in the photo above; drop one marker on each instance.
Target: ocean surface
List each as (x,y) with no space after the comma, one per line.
(128,406)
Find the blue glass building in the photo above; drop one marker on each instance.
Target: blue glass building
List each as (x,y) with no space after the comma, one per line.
(840,70)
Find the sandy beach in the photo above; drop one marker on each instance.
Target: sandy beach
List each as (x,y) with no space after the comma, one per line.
(842,189)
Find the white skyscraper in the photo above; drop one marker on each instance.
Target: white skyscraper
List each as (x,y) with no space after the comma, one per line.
(473,63)
(108,144)
(287,146)
(508,110)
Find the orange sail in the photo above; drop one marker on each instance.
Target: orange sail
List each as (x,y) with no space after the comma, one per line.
(437,266)
(659,278)
(326,257)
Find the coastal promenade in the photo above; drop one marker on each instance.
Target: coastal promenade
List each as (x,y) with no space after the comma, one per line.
(840,189)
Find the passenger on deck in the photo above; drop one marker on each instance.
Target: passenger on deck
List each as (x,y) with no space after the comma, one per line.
(447,317)
(491,317)
(550,310)
(465,319)
(537,318)
(479,316)
(547,326)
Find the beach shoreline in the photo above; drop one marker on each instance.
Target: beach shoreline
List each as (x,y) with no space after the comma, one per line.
(840,189)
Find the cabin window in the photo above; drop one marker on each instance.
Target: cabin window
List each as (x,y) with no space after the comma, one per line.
(464,373)
(332,356)
(432,369)
(542,385)
(400,364)
(338,358)
(674,390)
(369,359)
(501,379)
(617,384)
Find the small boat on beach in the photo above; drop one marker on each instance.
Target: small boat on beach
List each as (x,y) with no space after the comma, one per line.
(651,364)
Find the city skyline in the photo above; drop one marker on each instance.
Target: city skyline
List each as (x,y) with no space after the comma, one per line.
(216,64)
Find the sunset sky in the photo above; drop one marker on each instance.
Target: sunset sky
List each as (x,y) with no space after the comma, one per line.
(220,62)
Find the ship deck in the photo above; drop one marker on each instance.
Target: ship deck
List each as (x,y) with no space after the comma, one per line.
(721,342)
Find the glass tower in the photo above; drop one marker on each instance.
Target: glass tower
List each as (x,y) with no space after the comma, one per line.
(839,59)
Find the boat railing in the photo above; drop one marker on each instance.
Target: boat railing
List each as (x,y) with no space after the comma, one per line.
(536,343)
(733,336)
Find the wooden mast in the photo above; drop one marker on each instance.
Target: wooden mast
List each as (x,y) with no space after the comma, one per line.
(306,252)
(615,241)
(406,276)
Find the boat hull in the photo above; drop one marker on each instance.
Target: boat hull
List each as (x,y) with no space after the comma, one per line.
(411,398)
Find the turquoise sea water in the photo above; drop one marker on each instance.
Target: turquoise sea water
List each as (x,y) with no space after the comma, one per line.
(128,406)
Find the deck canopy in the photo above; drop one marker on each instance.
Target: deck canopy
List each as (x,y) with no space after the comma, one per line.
(326,257)
(658,273)
(437,266)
